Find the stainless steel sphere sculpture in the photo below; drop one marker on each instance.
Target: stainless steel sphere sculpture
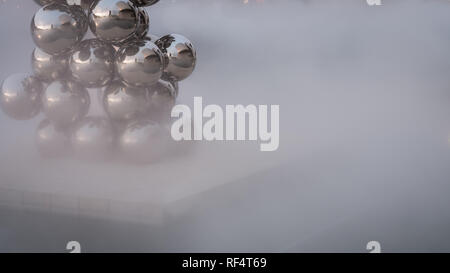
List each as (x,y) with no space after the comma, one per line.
(123,103)
(92,63)
(20,96)
(57,28)
(64,102)
(140,63)
(48,67)
(133,73)
(52,140)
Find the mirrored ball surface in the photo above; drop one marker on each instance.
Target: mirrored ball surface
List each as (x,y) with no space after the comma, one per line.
(46,2)
(141,31)
(20,96)
(113,20)
(180,56)
(144,3)
(93,137)
(144,141)
(162,97)
(52,140)
(144,24)
(92,63)
(84,4)
(57,28)
(64,102)
(48,67)
(140,63)
(124,103)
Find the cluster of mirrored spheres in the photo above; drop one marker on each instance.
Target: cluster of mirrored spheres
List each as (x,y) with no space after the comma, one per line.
(134,73)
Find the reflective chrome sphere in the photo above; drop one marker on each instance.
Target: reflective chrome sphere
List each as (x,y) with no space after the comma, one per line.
(93,137)
(144,24)
(46,2)
(162,97)
(180,56)
(113,20)
(56,28)
(144,141)
(92,63)
(149,37)
(52,140)
(64,102)
(48,67)
(141,31)
(84,4)
(139,63)
(123,103)
(144,3)
(20,96)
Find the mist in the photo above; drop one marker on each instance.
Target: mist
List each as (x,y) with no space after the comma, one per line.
(364,150)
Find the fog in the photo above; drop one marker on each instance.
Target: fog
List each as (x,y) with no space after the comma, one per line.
(364,95)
